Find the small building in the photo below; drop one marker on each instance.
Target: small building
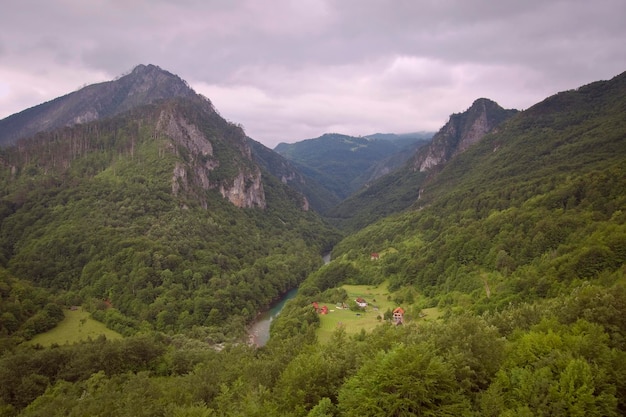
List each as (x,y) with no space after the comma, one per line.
(398,315)
(324,310)
(374,256)
(361,302)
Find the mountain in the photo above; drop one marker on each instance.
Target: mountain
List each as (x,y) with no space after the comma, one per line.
(158,216)
(400,189)
(460,132)
(144,85)
(408,144)
(529,211)
(341,163)
(508,273)
(315,195)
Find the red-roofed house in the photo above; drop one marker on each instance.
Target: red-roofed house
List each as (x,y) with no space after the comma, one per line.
(361,302)
(398,315)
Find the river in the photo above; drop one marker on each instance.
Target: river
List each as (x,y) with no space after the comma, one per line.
(260,331)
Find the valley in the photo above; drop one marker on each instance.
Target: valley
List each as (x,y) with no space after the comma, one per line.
(499,244)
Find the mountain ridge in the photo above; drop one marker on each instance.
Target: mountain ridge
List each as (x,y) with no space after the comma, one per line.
(143,85)
(343,163)
(398,190)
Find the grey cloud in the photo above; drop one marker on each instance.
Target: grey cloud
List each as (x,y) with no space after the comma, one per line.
(274,67)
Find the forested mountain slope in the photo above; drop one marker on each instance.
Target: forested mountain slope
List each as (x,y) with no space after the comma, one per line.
(317,196)
(518,245)
(531,210)
(341,163)
(399,189)
(159,212)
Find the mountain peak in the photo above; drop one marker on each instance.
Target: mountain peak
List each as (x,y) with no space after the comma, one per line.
(462,131)
(145,84)
(141,69)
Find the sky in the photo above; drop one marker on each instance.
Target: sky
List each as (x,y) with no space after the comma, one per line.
(289,70)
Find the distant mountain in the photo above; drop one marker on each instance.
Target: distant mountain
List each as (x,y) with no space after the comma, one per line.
(315,195)
(144,85)
(409,142)
(342,163)
(400,189)
(161,210)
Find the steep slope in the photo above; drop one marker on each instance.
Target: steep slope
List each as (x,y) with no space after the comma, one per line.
(407,143)
(314,195)
(162,212)
(144,85)
(340,163)
(462,131)
(399,189)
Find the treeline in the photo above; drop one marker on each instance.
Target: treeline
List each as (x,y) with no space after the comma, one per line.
(25,310)
(558,357)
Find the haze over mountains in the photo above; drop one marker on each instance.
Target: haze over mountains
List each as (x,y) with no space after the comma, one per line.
(502,239)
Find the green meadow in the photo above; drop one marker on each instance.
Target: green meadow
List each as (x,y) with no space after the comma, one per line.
(77,326)
(379,300)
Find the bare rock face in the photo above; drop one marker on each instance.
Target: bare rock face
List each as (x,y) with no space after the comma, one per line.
(185,133)
(244,190)
(462,131)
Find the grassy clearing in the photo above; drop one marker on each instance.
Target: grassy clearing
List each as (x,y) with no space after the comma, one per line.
(76,327)
(352,321)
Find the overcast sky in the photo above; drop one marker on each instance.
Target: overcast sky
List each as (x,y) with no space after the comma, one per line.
(289,70)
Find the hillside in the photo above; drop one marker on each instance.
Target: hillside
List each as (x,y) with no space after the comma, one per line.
(509,270)
(532,209)
(159,212)
(342,164)
(400,188)
(316,196)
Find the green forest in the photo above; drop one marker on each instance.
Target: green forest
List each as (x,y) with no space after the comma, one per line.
(519,243)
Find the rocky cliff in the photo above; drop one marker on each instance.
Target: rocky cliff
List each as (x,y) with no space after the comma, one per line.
(462,131)
(195,171)
(212,153)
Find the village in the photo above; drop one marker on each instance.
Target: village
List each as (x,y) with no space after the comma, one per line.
(365,308)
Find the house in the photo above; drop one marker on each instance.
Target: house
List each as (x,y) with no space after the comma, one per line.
(374,256)
(398,315)
(324,310)
(361,302)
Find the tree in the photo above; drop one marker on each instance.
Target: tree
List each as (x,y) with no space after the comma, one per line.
(406,381)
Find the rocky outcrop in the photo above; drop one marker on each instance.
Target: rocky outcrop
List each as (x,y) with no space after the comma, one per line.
(244,190)
(462,131)
(190,122)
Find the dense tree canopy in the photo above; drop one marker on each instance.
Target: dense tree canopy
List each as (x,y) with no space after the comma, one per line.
(519,244)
